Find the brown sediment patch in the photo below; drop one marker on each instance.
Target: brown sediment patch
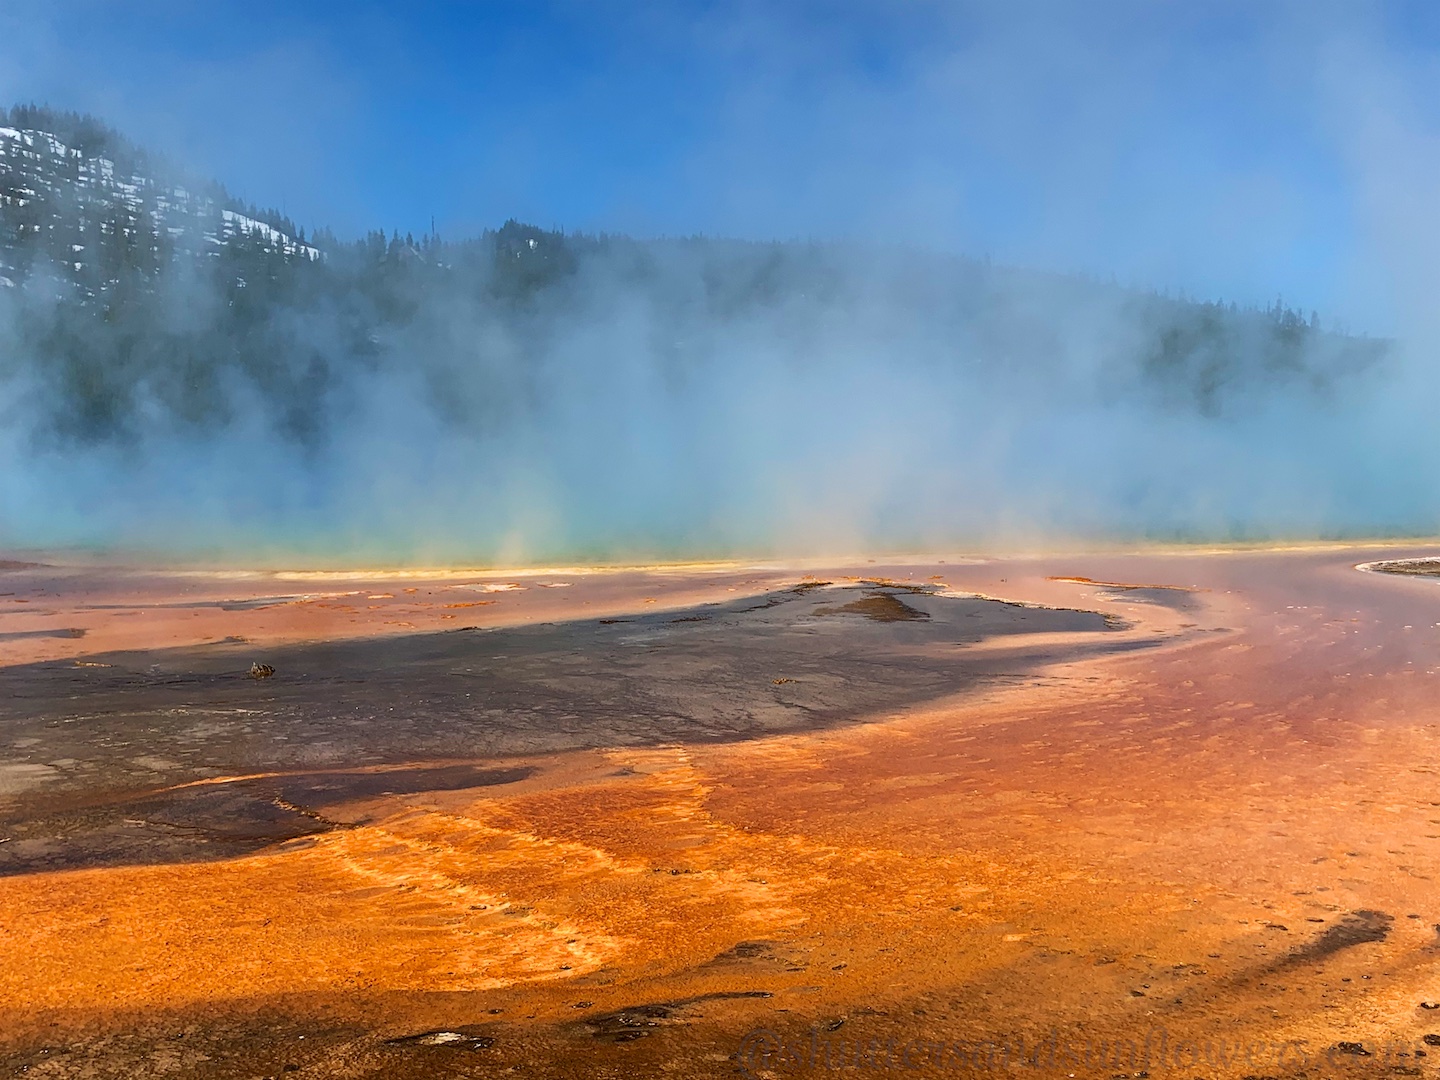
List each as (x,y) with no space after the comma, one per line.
(1125,585)
(1424,567)
(1178,597)
(636,1021)
(70,632)
(1354,928)
(882,607)
(918,588)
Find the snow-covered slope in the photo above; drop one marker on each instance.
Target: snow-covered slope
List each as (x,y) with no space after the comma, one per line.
(85,215)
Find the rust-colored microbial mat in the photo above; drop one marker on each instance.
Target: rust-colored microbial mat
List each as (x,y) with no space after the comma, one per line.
(1166,814)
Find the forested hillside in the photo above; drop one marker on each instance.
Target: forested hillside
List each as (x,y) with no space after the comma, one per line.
(139,297)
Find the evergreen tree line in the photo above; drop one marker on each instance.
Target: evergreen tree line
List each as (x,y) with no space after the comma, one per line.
(132,304)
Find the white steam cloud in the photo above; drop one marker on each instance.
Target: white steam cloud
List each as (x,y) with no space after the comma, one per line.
(890,413)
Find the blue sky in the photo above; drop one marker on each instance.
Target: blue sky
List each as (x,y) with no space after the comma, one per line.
(1225,150)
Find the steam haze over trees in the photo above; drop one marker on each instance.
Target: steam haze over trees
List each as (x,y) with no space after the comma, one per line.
(198,372)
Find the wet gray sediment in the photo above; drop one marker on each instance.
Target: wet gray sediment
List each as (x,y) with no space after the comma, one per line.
(99,754)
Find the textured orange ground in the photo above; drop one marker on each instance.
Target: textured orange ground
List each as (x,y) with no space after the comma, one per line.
(1151,846)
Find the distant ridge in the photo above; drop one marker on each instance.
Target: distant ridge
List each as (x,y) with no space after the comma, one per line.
(147,297)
